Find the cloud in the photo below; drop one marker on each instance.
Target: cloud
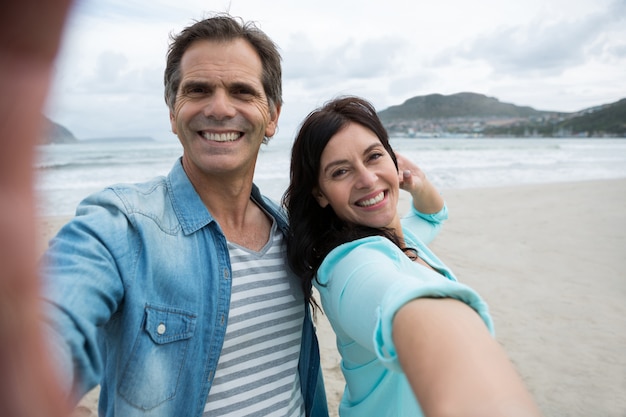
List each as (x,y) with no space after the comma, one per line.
(556,54)
(370,58)
(544,47)
(111,67)
(122,11)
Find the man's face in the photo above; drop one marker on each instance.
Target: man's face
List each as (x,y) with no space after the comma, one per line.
(221,113)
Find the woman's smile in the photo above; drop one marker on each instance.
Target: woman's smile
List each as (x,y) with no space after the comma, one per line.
(371,201)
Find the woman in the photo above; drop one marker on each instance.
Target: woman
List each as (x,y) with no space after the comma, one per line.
(413,340)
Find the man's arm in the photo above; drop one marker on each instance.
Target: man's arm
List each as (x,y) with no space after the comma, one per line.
(30,35)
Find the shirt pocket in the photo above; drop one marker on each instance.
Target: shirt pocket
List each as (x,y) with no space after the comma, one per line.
(152,372)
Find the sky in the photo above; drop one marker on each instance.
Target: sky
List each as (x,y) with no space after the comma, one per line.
(558,55)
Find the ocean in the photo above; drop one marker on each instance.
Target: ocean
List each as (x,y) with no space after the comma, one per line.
(66,173)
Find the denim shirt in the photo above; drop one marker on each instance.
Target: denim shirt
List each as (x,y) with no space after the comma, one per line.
(137,293)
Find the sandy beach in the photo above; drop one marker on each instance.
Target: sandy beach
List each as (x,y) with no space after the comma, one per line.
(550,261)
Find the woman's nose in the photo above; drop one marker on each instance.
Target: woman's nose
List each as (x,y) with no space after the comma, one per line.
(366,178)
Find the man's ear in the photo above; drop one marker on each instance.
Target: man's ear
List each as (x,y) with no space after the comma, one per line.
(272,125)
(173,123)
(319,196)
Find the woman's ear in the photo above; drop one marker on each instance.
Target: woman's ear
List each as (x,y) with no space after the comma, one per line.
(319,196)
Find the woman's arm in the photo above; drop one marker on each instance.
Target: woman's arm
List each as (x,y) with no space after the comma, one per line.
(454,365)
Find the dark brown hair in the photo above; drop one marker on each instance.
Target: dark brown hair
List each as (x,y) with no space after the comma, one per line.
(315,231)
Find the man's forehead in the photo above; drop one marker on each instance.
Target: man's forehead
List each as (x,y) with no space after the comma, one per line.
(222,64)
(229,56)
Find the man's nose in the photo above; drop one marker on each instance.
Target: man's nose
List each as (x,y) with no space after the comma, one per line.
(219,106)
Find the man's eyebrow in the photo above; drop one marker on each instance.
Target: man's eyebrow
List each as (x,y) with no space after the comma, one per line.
(234,86)
(191,84)
(242,85)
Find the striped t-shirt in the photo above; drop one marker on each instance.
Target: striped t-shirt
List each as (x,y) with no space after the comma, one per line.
(257,372)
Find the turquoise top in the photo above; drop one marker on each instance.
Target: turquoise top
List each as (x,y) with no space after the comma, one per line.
(362,285)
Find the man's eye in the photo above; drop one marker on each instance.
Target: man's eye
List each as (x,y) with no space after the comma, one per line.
(243,92)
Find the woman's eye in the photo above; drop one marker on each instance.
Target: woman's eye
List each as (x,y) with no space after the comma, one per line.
(376,156)
(339,172)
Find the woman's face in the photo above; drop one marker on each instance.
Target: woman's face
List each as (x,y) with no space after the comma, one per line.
(358,179)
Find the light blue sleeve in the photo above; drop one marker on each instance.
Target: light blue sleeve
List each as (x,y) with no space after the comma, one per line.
(399,294)
(364,283)
(82,286)
(424,226)
(351,282)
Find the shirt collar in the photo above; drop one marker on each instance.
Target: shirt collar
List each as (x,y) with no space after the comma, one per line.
(191,212)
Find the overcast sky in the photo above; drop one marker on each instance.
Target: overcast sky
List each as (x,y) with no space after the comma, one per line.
(562,55)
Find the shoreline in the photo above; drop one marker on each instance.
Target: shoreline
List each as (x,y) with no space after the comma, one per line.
(549,260)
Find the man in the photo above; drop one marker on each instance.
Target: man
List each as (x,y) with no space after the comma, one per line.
(174,294)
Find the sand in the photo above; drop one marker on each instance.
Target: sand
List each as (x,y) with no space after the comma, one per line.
(550,260)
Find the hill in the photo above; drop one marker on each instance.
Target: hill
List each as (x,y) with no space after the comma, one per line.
(609,119)
(462,114)
(55,133)
(472,114)
(460,105)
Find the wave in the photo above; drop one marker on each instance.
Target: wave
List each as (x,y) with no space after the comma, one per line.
(67,173)
(93,163)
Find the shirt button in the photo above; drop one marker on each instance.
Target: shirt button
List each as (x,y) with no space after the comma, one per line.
(161,328)
(226,273)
